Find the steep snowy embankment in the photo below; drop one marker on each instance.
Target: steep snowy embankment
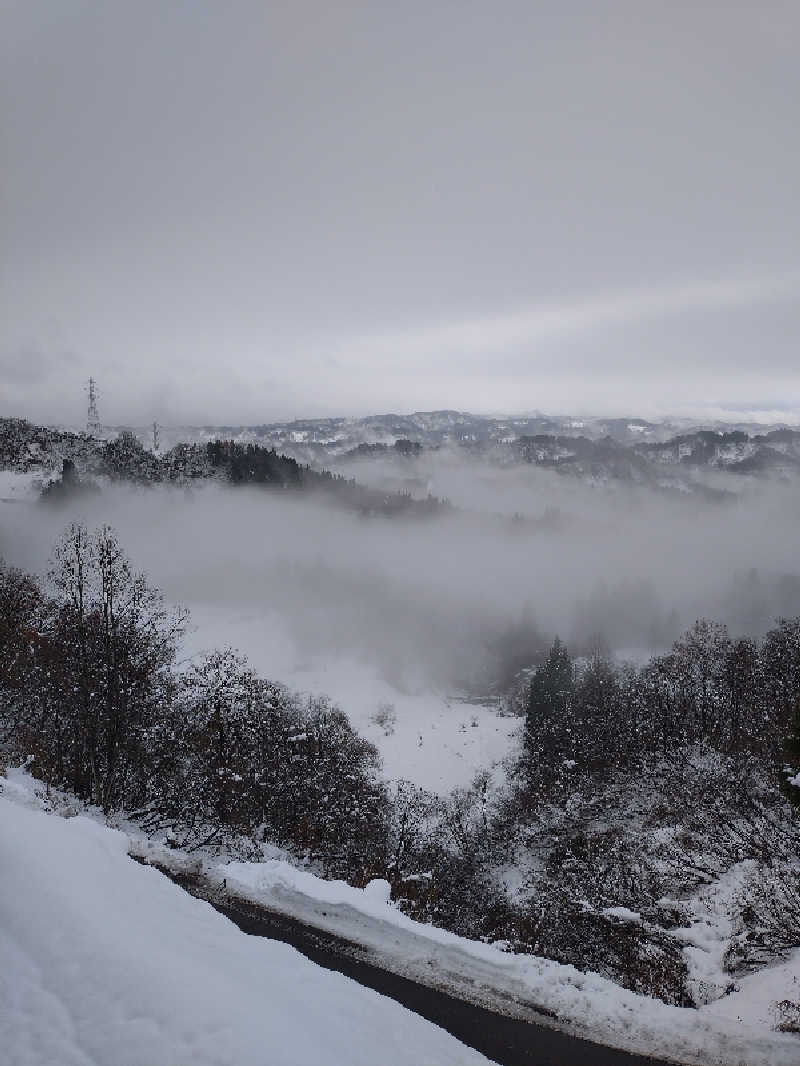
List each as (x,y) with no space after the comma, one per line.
(733,1031)
(105,961)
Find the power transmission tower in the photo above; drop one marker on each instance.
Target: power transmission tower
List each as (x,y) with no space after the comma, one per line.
(156,440)
(92,418)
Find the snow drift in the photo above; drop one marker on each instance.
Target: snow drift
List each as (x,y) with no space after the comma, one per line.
(106,961)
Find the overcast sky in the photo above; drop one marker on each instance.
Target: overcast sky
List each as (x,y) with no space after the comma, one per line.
(249,211)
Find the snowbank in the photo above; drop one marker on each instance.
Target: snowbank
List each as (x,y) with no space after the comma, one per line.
(103,960)
(735,1030)
(106,961)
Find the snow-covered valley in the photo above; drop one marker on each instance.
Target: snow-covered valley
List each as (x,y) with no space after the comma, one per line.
(438,739)
(399,511)
(586,900)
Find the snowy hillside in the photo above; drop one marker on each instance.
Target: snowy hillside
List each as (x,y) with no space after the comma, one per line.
(106,961)
(423,734)
(19,487)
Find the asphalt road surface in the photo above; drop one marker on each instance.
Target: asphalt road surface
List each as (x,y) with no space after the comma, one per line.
(505,1040)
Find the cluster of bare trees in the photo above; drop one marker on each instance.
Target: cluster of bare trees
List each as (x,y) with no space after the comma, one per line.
(90,688)
(92,668)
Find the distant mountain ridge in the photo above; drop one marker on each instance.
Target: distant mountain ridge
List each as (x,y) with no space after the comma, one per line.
(314,437)
(68,463)
(303,453)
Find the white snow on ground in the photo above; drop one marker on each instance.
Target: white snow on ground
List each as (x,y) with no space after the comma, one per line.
(710,933)
(70,903)
(436,741)
(19,487)
(734,1031)
(758,994)
(105,961)
(625,913)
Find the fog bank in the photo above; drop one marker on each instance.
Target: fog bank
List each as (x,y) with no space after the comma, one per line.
(460,599)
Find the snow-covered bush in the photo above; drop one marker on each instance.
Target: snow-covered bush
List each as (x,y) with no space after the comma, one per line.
(766,916)
(635,954)
(787,1016)
(242,757)
(385,717)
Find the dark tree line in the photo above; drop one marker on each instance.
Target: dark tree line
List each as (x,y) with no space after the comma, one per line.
(90,689)
(738,697)
(253,464)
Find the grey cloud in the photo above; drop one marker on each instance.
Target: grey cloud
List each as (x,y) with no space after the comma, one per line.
(269,187)
(31,365)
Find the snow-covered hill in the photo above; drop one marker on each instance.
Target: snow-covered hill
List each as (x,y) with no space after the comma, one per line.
(410,448)
(334,436)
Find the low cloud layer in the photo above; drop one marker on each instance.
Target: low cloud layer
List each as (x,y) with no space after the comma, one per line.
(464,598)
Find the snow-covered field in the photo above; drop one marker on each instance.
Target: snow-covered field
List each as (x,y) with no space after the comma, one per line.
(105,961)
(430,737)
(19,487)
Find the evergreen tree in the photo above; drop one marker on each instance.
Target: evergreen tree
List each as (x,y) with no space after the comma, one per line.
(551,687)
(548,737)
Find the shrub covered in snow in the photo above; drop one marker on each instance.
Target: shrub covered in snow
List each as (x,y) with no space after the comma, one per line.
(636,788)
(90,687)
(385,717)
(787,1016)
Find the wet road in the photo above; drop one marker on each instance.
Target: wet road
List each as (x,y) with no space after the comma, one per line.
(505,1040)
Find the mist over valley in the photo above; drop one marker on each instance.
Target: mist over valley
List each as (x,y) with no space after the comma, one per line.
(452,602)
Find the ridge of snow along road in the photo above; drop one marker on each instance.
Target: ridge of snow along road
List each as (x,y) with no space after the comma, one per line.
(733,1031)
(103,960)
(97,949)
